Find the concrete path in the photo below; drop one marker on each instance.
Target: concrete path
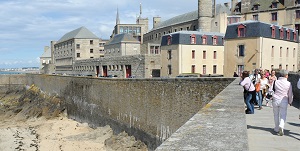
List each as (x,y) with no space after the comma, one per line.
(262,137)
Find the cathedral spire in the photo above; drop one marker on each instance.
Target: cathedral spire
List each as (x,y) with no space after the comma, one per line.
(117,18)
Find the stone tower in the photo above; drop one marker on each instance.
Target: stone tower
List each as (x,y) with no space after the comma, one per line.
(205,9)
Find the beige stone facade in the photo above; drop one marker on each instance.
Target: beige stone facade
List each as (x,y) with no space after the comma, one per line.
(260,52)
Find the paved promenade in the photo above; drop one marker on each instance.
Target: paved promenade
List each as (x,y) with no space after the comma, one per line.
(262,137)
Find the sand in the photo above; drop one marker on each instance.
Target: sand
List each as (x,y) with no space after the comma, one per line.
(30,120)
(58,134)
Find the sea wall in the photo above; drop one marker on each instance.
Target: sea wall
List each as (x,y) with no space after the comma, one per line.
(149,109)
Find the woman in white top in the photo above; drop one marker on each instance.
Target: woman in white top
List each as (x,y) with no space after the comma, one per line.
(263,85)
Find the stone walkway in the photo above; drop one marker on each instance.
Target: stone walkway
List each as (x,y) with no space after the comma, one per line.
(262,137)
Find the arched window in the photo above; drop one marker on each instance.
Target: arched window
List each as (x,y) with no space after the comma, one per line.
(273,31)
(241,30)
(215,40)
(169,40)
(204,39)
(281,33)
(288,34)
(193,39)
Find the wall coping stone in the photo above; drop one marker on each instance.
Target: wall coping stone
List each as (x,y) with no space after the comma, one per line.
(220,125)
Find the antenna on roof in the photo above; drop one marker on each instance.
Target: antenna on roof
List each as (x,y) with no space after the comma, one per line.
(140,9)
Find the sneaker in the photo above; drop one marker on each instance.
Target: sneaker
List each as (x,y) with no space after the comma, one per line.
(280,133)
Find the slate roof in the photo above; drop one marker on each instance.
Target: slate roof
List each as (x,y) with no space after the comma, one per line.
(258,29)
(184,37)
(79,33)
(221,8)
(124,37)
(179,19)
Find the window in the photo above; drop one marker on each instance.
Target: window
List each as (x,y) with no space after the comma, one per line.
(274,4)
(255,7)
(193,39)
(281,33)
(215,54)
(151,49)
(175,30)
(91,57)
(215,40)
(294,52)
(91,50)
(193,69)
(280,52)
(204,54)
(241,50)
(297,2)
(272,52)
(156,50)
(297,14)
(169,54)
(169,40)
(214,69)
(293,67)
(287,52)
(193,54)
(274,16)
(241,30)
(273,31)
(280,66)
(240,69)
(169,69)
(286,67)
(187,28)
(204,69)
(204,39)
(295,36)
(78,46)
(78,55)
(255,17)
(91,42)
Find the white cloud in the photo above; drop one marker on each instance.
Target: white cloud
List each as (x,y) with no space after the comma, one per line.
(27,26)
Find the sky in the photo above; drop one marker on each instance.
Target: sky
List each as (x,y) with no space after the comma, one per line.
(27,26)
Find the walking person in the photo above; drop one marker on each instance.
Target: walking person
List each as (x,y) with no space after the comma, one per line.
(283,95)
(249,91)
(255,78)
(263,85)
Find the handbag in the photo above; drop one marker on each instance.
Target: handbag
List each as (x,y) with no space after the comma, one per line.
(257,87)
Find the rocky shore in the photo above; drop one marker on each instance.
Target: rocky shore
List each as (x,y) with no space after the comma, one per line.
(33,121)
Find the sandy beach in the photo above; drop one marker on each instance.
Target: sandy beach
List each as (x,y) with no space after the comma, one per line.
(24,126)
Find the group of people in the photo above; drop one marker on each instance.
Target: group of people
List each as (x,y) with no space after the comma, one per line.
(277,92)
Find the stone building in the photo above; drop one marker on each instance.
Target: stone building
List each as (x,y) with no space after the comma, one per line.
(122,59)
(137,30)
(279,12)
(253,44)
(46,65)
(78,44)
(192,52)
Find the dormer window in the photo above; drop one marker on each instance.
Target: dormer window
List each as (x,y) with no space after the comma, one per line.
(288,35)
(241,30)
(215,40)
(169,40)
(295,35)
(255,6)
(281,33)
(274,4)
(297,2)
(204,39)
(273,31)
(193,39)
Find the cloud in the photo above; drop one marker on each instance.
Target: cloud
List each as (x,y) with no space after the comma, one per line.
(28,26)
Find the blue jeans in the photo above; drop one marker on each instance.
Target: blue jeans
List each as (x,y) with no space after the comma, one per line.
(259,98)
(250,106)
